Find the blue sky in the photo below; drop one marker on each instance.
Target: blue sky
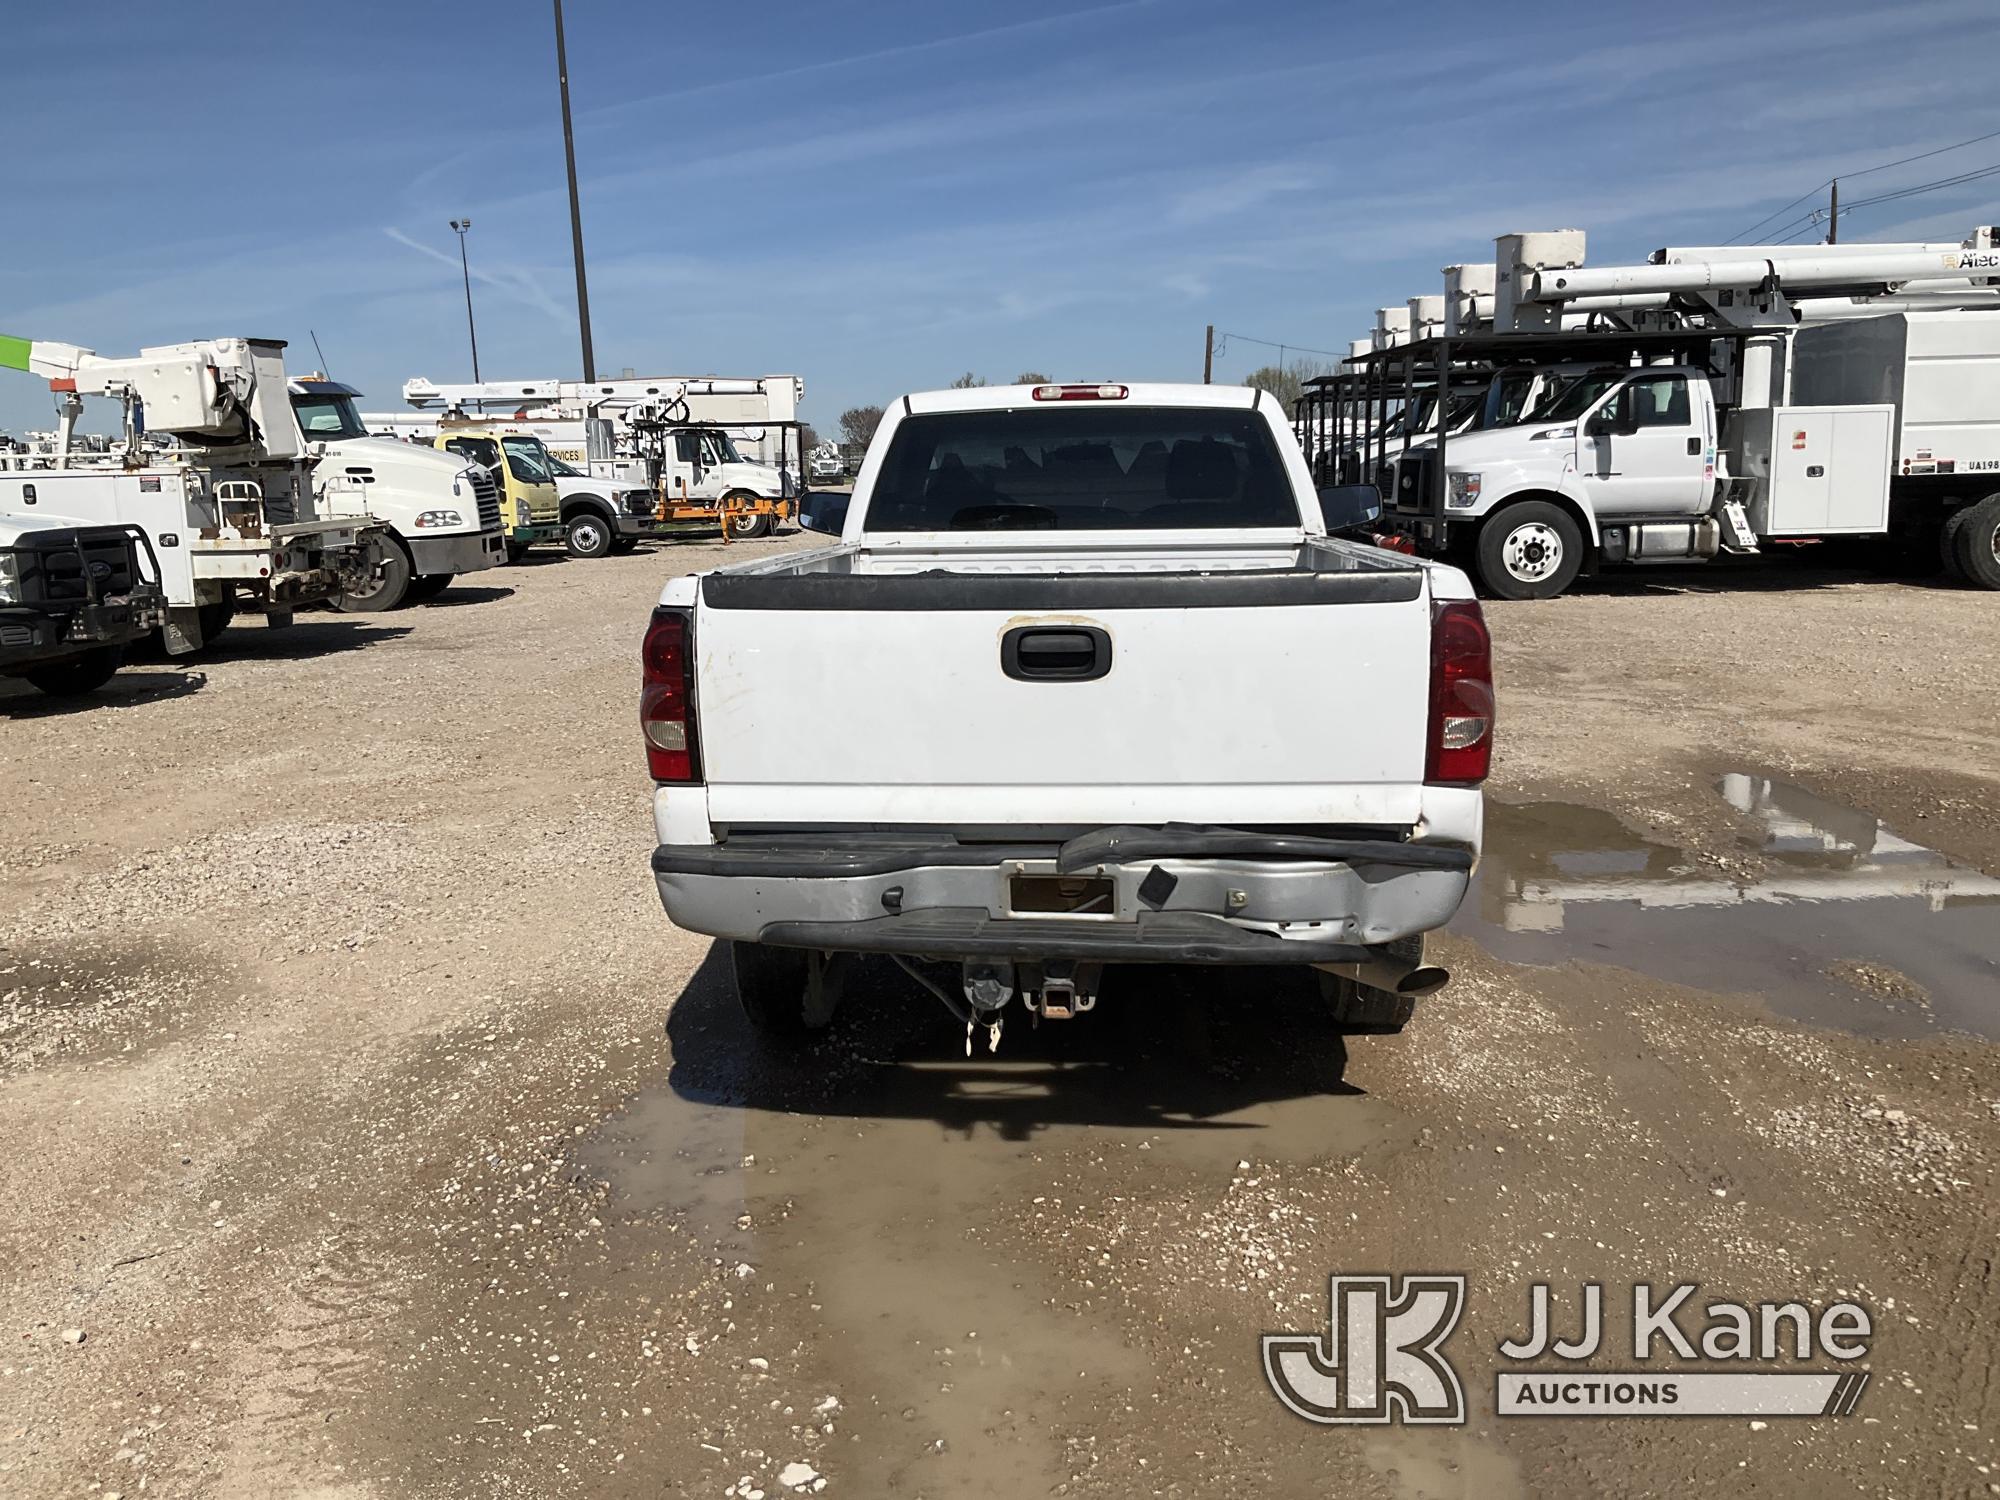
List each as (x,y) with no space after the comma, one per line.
(880,196)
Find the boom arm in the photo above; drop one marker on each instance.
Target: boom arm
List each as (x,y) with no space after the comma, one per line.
(216,392)
(586,395)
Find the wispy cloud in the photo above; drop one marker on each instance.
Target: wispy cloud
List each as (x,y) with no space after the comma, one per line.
(855,61)
(513,281)
(1235,193)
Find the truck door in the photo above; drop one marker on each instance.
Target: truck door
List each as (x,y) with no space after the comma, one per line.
(1644,451)
(528,468)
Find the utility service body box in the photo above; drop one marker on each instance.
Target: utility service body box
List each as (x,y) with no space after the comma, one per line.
(1941,371)
(1821,470)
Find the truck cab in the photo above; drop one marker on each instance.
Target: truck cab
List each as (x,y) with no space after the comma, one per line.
(530,505)
(604,515)
(1622,461)
(441,513)
(702,467)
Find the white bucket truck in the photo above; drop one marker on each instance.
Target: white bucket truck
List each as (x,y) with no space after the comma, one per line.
(1728,421)
(647,455)
(229,510)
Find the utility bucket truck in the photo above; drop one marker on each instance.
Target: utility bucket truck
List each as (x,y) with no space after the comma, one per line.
(230,510)
(441,514)
(648,457)
(1754,405)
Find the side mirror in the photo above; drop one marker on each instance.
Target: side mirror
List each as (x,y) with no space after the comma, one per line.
(1607,424)
(1347,506)
(823,513)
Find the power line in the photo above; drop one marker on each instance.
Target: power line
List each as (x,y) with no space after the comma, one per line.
(1222,342)
(1811,219)
(1940,151)
(1927,187)
(1811,193)
(1858,172)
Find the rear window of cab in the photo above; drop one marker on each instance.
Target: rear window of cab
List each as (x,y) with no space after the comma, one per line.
(1082,468)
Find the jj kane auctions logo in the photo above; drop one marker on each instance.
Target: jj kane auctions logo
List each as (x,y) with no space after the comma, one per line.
(1382,1356)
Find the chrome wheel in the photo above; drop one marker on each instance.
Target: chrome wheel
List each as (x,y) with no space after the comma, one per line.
(1532,552)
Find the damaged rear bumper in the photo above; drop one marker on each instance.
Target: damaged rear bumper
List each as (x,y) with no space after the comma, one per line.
(1167,895)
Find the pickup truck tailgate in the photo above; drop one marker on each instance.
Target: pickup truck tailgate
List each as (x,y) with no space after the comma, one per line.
(1290,695)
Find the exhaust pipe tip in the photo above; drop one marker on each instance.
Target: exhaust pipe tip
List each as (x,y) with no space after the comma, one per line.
(1426,979)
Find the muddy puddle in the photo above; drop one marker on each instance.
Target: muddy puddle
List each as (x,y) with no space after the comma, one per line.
(85,1000)
(888,1174)
(1850,924)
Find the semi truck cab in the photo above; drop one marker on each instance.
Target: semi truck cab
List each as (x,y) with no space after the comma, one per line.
(441,513)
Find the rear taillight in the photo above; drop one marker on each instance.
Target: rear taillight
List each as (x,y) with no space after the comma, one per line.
(1461,730)
(666,701)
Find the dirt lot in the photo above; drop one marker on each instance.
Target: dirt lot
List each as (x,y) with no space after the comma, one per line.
(370,1133)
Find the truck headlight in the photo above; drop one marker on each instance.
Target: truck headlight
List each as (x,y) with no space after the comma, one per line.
(432,519)
(10,579)
(1552,432)
(1464,491)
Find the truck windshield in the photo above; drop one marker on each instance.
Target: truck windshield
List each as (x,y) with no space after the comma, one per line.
(1580,397)
(527,459)
(1083,468)
(1507,398)
(325,418)
(714,447)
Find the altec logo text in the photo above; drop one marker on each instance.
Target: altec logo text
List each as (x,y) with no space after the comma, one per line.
(1382,1357)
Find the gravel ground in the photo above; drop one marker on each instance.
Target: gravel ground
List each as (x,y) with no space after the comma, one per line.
(372,1134)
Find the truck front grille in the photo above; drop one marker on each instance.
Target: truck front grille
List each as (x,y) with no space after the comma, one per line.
(59,567)
(1416,482)
(487,494)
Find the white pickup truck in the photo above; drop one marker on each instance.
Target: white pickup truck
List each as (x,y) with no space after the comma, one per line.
(1085,681)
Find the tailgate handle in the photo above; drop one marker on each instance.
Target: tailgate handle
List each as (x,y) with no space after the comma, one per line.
(1055,653)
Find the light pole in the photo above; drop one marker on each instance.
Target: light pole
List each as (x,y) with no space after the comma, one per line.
(465,270)
(575,212)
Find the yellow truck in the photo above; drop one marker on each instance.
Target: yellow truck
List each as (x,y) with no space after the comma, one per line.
(530,508)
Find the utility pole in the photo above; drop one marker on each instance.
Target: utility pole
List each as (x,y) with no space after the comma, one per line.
(465,270)
(575,211)
(1208,357)
(1833,216)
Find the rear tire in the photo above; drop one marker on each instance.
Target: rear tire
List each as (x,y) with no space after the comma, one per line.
(72,679)
(588,534)
(1976,544)
(1531,550)
(428,586)
(214,619)
(390,573)
(1948,544)
(771,988)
